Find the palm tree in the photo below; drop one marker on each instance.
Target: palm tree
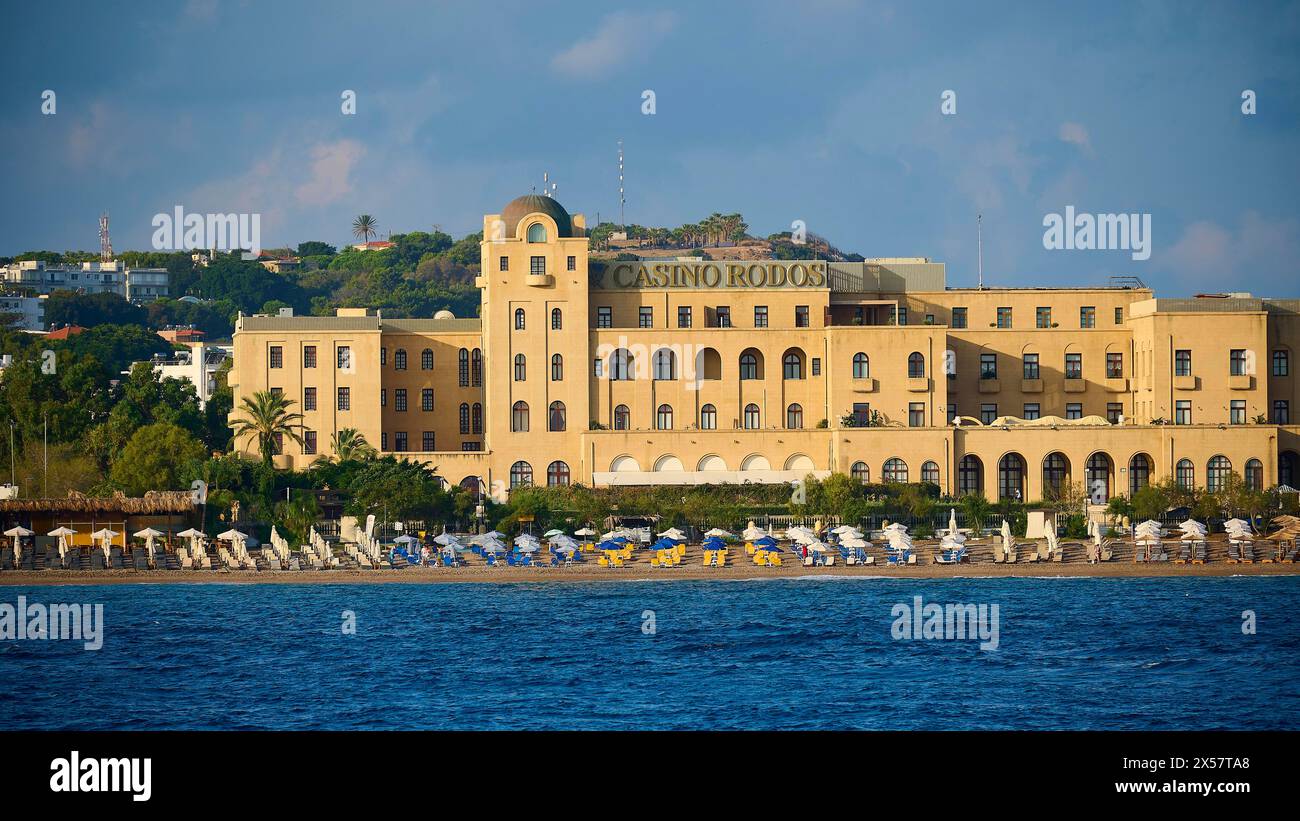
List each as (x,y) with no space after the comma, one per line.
(363,227)
(268,418)
(349,444)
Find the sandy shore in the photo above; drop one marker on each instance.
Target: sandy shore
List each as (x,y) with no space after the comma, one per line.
(592,573)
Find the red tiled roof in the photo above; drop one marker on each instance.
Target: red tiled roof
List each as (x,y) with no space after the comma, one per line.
(65,332)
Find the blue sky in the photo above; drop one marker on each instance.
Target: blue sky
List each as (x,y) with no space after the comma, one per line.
(819,110)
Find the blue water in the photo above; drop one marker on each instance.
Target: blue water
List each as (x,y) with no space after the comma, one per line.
(809,653)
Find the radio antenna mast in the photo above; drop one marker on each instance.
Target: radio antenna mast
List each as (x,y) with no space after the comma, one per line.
(105,244)
(979,242)
(622,221)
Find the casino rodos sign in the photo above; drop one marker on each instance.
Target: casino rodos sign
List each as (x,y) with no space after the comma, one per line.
(634,275)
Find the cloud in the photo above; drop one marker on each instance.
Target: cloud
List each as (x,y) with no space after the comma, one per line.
(1259,250)
(1076,134)
(620,36)
(201,11)
(331,169)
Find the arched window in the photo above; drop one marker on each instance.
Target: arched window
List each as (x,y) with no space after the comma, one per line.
(970,475)
(895,470)
(622,418)
(557,474)
(1254,474)
(476,359)
(1185,474)
(1056,470)
(1139,472)
(751,417)
(521,367)
(555,416)
(521,474)
(748,366)
(664,417)
(477,417)
(1099,470)
(519,417)
(708,418)
(426,359)
(462,367)
(557,319)
(399,359)
(665,364)
(792,366)
(861,366)
(1217,472)
(860,472)
(557,368)
(915,365)
(537,232)
(620,365)
(464,417)
(1011,477)
(519,319)
(794,416)
(930,472)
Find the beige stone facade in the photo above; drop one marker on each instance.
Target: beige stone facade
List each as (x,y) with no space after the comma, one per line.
(684,370)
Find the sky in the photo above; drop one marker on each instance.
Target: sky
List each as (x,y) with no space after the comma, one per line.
(827,112)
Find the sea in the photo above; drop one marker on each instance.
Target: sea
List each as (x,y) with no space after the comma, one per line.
(770,654)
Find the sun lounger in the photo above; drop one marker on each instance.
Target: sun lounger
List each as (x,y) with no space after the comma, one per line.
(97,560)
(1139,552)
(1234,553)
(1184,553)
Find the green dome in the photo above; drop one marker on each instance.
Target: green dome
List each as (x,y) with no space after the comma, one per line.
(520,207)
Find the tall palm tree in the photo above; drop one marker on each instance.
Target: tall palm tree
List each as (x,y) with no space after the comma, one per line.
(349,444)
(267,417)
(363,227)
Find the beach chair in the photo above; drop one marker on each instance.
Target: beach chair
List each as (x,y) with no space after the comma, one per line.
(1198,552)
(1041,553)
(1139,551)
(1234,553)
(998,556)
(1247,552)
(1184,553)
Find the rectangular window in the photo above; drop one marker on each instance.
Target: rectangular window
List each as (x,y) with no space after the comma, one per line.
(1087,317)
(1114,365)
(598,367)
(1031,410)
(988,366)
(537,265)
(1182,363)
(916,414)
(724,316)
(816,366)
(277,391)
(760,316)
(399,441)
(383,397)
(861,414)
(383,356)
(383,441)
(1031,366)
(345,399)
(1281,363)
(1043,318)
(471,446)
(1281,412)
(1237,412)
(309,399)
(604,317)
(309,442)
(952,412)
(1074,410)
(959,317)
(1004,317)
(1074,366)
(902,314)
(426,442)
(277,356)
(400,400)
(344,358)
(988,412)
(646,317)
(1183,412)
(801,316)
(1237,362)
(309,356)
(572,263)
(505,264)
(1119,316)
(683,316)
(426,400)
(1114,410)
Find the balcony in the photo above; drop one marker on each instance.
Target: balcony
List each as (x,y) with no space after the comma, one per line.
(1031,386)
(865,386)
(990,386)
(1115,384)
(918,384)
(1186,383)
(1075,385)
(1241,382)
(539,280)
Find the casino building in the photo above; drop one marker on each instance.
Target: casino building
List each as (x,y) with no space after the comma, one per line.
(681,371)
